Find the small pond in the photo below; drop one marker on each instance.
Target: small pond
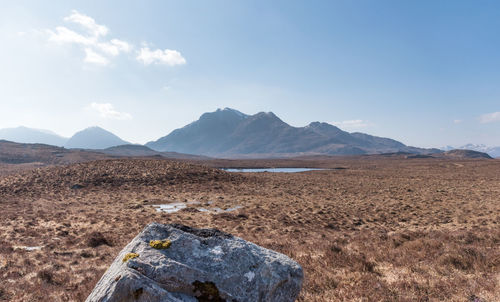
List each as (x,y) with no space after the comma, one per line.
(177,206)
(170,207)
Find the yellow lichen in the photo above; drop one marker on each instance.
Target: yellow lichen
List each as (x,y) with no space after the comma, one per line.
(130,256)
(160,244)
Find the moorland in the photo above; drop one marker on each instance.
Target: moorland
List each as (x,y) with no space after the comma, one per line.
(370,228)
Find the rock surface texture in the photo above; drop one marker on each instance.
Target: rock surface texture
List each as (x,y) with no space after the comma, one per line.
(178,263)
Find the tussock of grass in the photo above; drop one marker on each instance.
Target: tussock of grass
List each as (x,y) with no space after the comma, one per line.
(96,239)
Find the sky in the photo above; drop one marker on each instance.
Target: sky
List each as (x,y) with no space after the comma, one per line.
(426,73)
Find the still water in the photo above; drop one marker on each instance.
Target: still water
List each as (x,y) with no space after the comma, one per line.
(274,170)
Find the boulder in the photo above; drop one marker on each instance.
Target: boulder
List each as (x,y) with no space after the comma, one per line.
(179,263)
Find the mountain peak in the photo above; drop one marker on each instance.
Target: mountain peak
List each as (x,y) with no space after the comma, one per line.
(233,111)
(268,114)
(266,118)
(94,128)
(94,138)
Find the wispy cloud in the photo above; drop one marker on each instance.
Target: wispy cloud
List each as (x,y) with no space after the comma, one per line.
(168,56)
(490,117)
(107,110)
(94,58)
(115,47)
(65,35)
(92,38)
(457,121)
(88,23)
(351,124)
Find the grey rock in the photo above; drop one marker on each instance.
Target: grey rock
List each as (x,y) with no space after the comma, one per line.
(199,265)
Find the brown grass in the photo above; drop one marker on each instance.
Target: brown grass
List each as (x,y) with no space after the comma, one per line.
(380,230)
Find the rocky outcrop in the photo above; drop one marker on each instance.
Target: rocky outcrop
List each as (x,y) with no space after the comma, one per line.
(179,263)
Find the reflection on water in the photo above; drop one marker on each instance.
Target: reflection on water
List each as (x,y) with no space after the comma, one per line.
(177,206)
(277,170)
(28,248)
(173,207)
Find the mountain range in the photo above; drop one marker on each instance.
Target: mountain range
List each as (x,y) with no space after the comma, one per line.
(90,138)
(230,133)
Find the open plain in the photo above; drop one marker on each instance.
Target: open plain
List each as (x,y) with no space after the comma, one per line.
(372,228)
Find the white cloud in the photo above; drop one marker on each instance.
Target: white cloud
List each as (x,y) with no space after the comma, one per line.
(106,110)
(351,124)
(457,121)
(158,56)
(490,117)
(100,50)
(94,58)
(88,23)
(97,50)
(114,47)
(65,35)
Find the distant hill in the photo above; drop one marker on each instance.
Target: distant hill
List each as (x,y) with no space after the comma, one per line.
(492,151)
(457,153)
(94,138)
(129,150)
(142,151)
(229,132)
(17,153)
(30,136)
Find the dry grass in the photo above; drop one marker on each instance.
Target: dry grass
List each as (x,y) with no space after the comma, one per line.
(380,230)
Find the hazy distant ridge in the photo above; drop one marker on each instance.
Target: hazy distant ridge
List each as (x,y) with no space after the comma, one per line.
(31,136)
(94,138)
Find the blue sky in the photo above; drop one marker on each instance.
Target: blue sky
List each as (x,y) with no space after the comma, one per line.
(426,73)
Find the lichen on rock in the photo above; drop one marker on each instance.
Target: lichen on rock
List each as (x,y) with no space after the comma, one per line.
(129,256)
(160,244)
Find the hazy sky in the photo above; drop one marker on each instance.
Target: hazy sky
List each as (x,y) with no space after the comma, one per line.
(426,73)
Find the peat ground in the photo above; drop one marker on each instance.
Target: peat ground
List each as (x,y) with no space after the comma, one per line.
(380,229)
